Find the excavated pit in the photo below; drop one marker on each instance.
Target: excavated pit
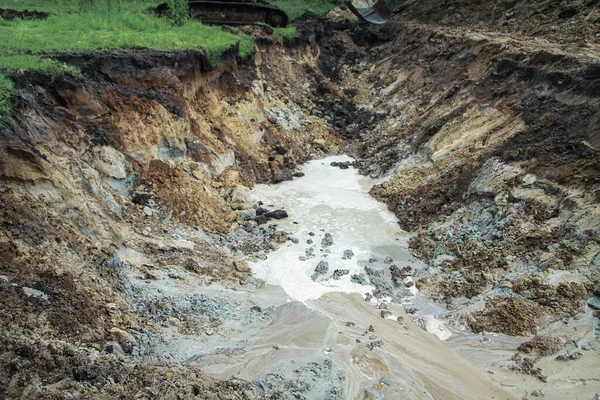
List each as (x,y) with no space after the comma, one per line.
(132,244)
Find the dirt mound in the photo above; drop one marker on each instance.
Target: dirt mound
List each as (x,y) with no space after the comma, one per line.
(509,315)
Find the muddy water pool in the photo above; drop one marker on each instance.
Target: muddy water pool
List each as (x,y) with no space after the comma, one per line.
(319,338)
(333,201)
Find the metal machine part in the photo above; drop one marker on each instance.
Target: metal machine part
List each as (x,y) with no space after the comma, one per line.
(373,11)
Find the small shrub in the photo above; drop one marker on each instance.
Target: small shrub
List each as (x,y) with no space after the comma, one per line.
(179,12)
(6,97)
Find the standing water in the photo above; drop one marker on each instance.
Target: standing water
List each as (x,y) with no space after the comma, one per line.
(334,201)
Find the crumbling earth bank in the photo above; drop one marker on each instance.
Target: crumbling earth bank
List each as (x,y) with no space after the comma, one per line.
(489,132)
(146,155)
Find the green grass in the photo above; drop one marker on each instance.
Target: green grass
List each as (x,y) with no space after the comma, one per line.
(6,93)
(117,31)
(115,25)
(285,34)
(70,6)
(294,8)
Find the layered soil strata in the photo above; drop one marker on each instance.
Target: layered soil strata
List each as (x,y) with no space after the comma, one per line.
(485,117)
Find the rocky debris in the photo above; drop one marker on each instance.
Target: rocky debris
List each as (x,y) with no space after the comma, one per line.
(321,269)
(313,380)
(343,164)
(373,345)
(327,240)
(263,215)
(538,393)
(386,285)
(526,365)
(277,214)
(338,273)
(310,252)
(570,356)
(388,260)
(510,315)
(348,254)
(542,346)
(359,279)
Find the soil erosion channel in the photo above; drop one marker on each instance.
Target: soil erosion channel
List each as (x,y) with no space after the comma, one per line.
(319,332)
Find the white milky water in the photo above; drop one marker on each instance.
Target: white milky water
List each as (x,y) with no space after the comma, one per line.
(328,199)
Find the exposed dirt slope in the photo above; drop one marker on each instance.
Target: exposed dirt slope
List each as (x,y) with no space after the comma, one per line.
(488,122)
(146,153)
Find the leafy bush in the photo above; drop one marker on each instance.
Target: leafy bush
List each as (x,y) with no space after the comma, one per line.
(179,12)
(6,93)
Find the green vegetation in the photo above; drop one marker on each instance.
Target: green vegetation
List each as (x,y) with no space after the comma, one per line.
(115,31)
(285,34)
(178,11)
(6,92)
(117,25)
(70,6)
(294,8)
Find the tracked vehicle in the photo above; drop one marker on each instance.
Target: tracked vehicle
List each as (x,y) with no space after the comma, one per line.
(242,12)
(234,12)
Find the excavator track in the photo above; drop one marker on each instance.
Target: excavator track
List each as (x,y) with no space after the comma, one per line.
(240,12)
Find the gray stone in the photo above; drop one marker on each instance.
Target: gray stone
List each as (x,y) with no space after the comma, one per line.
(594,303)
(321,269)
(348,254)
(358,279)
(338,273)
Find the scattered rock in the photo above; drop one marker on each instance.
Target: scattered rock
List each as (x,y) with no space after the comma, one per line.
(338,273)
(373,345)
(570,357)
(594,303)
(542,346)
(359,279)
(321,269)
(388,260)
(348,254)
(343,164)
(327,240)
(277,214)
